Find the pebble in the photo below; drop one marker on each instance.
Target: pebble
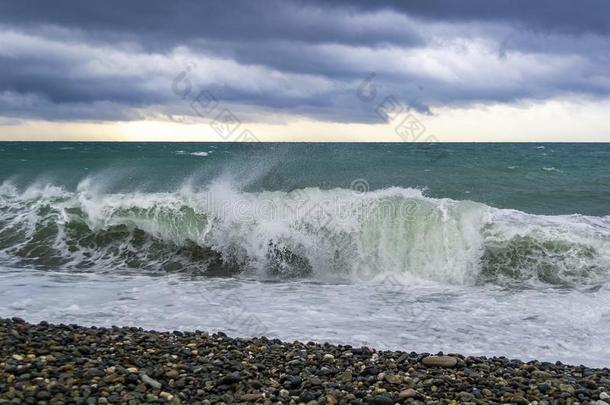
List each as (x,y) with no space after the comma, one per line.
(328,357)
(382,400)
(251,397)
(345,376)
(393,378)
(439,361)
(519,400)
(330,400)
(94,372)
(153,383)
(73,364)
(316,381)
(408,393)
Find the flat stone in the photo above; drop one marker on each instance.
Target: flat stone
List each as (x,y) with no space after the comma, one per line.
(382,400)
(147,380)
(94,372)
(331,400)
(541,375)
(113,379)
(345,376)
(439,361)
(465,396)
(408,393)
(393,378)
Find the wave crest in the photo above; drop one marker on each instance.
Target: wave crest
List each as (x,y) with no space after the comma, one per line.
(303,233)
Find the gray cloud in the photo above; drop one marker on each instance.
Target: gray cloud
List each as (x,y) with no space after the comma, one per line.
(167,24)
(587,16)
(71,60)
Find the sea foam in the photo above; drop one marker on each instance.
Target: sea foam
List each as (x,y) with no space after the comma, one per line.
(310,233)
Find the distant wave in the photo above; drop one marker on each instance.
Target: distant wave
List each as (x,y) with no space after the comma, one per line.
(201,154)
(220,230)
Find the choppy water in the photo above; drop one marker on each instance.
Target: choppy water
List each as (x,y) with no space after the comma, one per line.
(482,249)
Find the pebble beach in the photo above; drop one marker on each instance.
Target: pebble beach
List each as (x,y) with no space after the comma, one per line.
(57,364)
(305,202)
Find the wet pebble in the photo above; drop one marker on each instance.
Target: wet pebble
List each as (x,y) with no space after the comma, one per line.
(91,365)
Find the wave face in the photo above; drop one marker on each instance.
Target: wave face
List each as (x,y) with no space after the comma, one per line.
(305,233)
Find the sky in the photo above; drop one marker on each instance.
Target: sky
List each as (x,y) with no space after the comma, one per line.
(288,70)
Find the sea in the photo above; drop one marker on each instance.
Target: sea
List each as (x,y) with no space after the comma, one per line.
(481,249)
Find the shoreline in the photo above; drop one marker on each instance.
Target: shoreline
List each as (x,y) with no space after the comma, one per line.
(48,363)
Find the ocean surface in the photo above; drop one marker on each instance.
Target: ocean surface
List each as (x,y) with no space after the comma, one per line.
(483,249)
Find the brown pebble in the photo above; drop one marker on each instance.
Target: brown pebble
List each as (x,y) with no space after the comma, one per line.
(21,328)
(408,393)
(439,361)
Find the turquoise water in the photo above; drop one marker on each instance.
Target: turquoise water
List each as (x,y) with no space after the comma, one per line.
(462,213)
(474,248)
(534,178)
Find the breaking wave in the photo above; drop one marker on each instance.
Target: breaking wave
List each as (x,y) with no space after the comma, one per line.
(307,233)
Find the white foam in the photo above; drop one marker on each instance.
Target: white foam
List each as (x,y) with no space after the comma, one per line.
(425,318)
(339,233)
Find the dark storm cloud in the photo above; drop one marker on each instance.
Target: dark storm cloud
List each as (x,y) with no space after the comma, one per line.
(109,60)
(167,24)
(588,16)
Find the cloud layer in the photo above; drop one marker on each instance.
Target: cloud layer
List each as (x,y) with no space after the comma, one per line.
(108,61)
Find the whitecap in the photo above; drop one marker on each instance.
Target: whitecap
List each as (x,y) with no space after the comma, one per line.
(325,234)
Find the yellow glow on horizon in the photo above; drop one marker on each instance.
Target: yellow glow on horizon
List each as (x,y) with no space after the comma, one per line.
(548,121)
